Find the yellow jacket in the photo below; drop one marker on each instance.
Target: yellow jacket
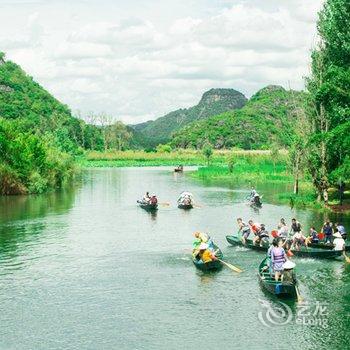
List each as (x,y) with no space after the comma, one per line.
(206,256)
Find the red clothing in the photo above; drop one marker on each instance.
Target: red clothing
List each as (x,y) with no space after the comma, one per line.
(255,228)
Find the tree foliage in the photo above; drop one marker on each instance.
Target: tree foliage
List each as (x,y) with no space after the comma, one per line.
(329,87)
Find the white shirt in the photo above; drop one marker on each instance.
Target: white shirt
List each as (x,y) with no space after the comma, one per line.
(338,244)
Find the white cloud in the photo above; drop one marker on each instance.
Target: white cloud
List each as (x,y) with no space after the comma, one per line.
(141,59)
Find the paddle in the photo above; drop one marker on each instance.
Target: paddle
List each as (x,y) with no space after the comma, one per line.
(230,266)
(347,259)
(300,299)
(165,204)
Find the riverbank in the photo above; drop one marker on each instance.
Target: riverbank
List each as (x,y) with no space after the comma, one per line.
(185,157)
(256,170)
(250,168)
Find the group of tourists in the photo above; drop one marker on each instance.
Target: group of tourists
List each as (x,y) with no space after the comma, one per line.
(293,236)
(203,248)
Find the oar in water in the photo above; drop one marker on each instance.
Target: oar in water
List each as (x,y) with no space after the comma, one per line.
(347,259)
(165,204)
(230,266)
(300,299)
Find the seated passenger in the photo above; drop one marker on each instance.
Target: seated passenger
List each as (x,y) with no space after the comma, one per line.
(146,197)
(341,229)
(288,275)
(313,237)
(339,243)
(153,200)
(205,254)
(283,229)
(262,236)
(298,240)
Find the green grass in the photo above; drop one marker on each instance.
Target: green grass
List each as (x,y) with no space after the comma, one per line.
(142,158)
(248,167)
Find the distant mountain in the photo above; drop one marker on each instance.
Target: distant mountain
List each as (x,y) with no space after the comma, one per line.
(266,118)
(213,102)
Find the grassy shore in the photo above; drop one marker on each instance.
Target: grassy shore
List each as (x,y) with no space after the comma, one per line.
(142,158)
(226,167)
(260,169)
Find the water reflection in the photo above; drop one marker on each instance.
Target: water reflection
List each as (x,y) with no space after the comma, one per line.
(23,219)
(89,259)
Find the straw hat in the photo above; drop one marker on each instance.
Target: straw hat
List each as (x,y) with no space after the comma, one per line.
(337,235)
(288,265)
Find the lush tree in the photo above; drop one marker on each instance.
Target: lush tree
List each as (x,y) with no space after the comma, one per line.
(329,86)
(207,152)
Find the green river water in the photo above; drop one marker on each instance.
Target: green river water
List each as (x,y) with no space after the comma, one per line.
(86,268)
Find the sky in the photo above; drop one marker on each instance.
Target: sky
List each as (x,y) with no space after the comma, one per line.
(140,59)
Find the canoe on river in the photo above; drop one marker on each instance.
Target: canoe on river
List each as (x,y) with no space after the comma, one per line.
(147,206)
(323,245)
(279,288)
(211,265)
(303,252)
(185,206)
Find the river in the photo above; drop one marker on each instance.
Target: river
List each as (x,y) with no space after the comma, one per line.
(86,268)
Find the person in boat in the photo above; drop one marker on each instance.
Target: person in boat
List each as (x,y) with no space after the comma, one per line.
(313,237)
(278,258)
(201,237)
(180,167)
(295,227)
(341,229)
(252,193)
(153,200)
(262,237)
(288,275)
(254,197)
(339,242)
(282,229)
(273,244)
(205,255)
(146,198)
(244,229)
(256,200)
(327,230)
(196,243)
(185,198)
(255,228)
(298,240)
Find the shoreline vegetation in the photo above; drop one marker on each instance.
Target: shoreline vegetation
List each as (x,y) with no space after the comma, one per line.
(251,167)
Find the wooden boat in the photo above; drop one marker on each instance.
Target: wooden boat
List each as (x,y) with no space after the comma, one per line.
(185,206)
(303,252)
(278,288)
(147,206)
(179,170)
(322,245)
(211,265)
(255,204)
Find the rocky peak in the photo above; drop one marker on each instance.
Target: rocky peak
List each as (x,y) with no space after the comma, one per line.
(230,95)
